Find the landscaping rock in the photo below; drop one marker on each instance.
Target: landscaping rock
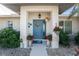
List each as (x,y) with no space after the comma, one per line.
(14,52)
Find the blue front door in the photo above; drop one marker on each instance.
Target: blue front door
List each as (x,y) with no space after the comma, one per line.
(38,31)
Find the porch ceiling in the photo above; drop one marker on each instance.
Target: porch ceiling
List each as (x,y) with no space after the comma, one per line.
(16,6)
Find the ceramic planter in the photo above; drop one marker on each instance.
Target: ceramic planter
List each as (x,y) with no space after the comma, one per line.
(21,45)
(57,32)
(30,39)
(29,43)
(48,43)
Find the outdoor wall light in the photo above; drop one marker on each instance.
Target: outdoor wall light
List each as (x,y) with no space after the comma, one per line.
(39,15)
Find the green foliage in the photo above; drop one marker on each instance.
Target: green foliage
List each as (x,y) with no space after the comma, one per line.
(77,39)
(9,38)
(64,38)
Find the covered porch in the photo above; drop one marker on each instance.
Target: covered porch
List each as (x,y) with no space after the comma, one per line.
(34,15)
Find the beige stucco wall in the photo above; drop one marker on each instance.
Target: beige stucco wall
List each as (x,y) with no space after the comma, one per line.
(4,22)
(75,23)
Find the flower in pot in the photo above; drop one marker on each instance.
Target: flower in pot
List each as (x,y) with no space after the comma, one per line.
(57,29)
(49,39)
(30,39)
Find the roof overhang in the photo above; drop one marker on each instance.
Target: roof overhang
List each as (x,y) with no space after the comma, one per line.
(16,6)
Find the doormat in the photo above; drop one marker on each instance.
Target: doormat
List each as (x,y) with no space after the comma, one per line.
(37,42)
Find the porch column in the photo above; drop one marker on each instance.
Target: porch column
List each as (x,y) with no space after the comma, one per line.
(55,21)
(23,27)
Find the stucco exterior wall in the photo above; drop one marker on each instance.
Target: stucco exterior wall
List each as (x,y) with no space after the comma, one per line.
(4,22)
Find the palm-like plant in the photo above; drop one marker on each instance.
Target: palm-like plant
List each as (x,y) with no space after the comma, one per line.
(74,11)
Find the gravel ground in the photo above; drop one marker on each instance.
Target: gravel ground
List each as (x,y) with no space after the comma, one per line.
(14,52)
(62,51)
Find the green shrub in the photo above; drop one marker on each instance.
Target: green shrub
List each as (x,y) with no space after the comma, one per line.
(77,39)
(63,38)
(9,38)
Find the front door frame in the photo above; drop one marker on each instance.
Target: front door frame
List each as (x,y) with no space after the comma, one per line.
(44,22)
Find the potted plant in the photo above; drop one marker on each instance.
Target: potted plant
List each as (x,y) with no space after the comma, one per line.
(77,51)
(30,39)
(49,39)
(57,29)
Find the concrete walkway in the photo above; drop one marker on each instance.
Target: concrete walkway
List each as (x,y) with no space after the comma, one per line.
(38,50)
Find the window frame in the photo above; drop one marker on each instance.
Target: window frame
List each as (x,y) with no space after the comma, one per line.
(10,24)
(64,27)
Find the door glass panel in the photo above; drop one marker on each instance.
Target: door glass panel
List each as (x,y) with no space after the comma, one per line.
(38,29)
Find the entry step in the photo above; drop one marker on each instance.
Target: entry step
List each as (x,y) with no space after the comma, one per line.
(37,42)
